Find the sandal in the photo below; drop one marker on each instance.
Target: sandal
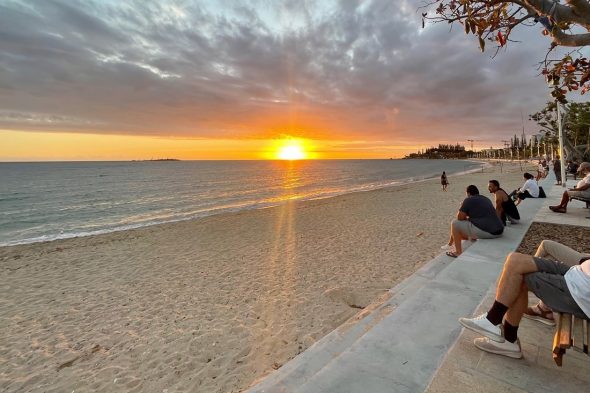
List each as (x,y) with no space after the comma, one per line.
(536,313)
(558,209)
(451,254)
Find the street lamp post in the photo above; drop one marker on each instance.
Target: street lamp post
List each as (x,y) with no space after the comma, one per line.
(553,84)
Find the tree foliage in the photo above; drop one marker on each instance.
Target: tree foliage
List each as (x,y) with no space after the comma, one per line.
(493,21)
(576,122)
(442,151)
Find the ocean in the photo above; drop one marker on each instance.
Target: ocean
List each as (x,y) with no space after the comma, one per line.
(55,200)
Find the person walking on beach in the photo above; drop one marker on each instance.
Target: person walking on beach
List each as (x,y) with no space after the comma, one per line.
(563,288)
(443,181)
(557,170)
(582,189)
(540,171)
(505,207)
(476,219)
(530,189)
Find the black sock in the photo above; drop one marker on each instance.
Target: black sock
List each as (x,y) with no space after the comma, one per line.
(496,313)
(510,332)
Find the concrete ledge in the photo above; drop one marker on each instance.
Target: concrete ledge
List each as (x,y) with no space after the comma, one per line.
(399,345)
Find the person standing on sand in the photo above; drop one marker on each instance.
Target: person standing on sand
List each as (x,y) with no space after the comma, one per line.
(476,219)
(443,181)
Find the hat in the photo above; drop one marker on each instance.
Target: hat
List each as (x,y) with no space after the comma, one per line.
(585,166)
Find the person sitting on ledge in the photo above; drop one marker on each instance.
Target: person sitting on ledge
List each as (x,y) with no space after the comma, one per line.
(565,289)
(476,219)
(505,207)
(530,189)
(572,168)
(582,189)
(548,248)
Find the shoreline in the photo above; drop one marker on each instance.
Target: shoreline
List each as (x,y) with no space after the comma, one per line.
(213,305)
(222,211)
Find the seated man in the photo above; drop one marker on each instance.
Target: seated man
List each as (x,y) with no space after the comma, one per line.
(505,207)
(556,251)
(582,189)
(476,219)
(563,288)
(572,168)
(530,189)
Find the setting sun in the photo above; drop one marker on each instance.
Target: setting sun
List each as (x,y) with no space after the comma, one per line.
(292,149)
(292,152)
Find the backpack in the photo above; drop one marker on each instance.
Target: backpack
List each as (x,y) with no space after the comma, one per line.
(542,193)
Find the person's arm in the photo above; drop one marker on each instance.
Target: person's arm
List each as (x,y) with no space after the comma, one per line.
(463,212)
(499,201)
(583,188)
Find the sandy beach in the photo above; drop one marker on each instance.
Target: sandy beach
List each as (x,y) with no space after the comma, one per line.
(212,305)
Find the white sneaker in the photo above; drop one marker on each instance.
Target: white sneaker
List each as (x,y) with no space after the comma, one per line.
(447,247)
(512,350)
(484,327)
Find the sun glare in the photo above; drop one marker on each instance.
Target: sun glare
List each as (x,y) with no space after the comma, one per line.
(291,153)
(291,149)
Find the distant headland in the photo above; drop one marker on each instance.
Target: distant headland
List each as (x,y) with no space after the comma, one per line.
(157,159)
(442,151)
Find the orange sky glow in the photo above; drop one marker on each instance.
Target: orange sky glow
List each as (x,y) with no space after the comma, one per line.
(55,146)
(358,80)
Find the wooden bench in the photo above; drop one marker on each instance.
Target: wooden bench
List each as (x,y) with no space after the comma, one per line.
(564,336)
(579,198)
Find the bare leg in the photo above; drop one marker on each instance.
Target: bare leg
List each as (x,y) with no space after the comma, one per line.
(565,198)
(457,236)
(512,279)
(514,313)
(450,243)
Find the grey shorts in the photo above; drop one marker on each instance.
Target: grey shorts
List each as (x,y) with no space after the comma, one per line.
(471,231)
(549,285)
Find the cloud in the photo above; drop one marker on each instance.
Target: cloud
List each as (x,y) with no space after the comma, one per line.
(356,70)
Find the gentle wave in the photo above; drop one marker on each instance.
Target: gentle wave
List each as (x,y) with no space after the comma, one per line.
(70,200)
(210,208)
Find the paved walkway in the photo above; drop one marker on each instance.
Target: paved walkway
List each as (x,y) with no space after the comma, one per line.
(413,342)
(467,369)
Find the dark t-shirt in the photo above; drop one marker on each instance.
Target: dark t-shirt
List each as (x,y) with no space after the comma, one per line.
(482,214)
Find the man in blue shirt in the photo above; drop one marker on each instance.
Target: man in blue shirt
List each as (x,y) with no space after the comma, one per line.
(476,219)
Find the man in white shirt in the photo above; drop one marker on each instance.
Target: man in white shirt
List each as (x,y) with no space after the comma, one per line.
(582,189)
(561,287)
(530,189)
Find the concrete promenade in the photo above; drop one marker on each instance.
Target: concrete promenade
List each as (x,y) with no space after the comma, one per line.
(413,343)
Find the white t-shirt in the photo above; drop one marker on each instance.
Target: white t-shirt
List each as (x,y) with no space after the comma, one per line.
(584,181)
(578,282)
(532,187)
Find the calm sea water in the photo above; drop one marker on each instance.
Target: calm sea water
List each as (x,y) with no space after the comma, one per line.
(47,201)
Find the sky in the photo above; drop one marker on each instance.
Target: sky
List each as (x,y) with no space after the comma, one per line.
(108,80)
